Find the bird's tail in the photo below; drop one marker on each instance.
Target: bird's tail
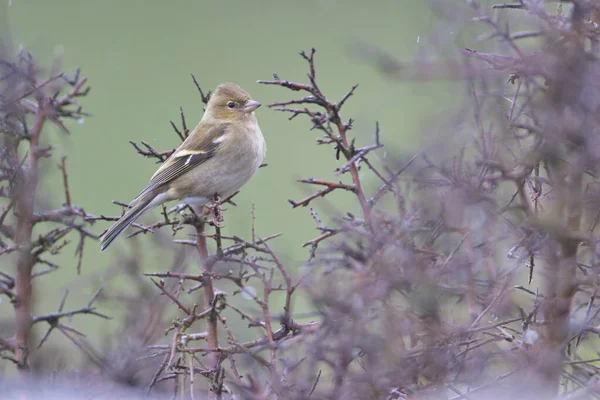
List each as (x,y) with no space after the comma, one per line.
(127,219)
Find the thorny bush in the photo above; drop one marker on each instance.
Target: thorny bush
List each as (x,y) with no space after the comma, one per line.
(469,272)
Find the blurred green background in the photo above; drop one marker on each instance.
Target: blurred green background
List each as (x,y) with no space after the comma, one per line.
(138,56)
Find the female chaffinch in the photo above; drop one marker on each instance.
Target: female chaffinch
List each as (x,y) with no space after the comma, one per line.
(218,157)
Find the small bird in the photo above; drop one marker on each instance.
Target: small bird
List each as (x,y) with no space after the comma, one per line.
(217,158)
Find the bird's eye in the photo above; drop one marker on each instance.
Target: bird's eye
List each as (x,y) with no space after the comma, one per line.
(231,104)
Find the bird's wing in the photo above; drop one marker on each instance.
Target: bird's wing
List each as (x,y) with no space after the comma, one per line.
(187,156)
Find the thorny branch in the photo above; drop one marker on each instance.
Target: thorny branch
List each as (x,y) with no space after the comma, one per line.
(328,119)
(28,103)
(330,122)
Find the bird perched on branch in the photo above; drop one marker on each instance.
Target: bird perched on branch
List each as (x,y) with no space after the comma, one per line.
(218,157)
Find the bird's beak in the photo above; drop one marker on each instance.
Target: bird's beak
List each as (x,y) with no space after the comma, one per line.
(251,105)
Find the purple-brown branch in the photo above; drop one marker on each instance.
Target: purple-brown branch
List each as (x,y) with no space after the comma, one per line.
(321,121)
(39,103)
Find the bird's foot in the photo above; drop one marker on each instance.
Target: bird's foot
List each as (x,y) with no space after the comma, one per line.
(177,209)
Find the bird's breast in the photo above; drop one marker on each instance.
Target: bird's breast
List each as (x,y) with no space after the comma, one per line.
(232,167)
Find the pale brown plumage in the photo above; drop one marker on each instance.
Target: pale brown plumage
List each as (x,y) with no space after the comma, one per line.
(218,157)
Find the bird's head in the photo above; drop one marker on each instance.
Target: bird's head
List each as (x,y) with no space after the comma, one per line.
(230,102)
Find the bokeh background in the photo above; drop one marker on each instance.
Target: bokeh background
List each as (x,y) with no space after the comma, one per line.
(138,56)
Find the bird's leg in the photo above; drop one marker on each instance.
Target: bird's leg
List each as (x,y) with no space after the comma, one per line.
(178,208)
